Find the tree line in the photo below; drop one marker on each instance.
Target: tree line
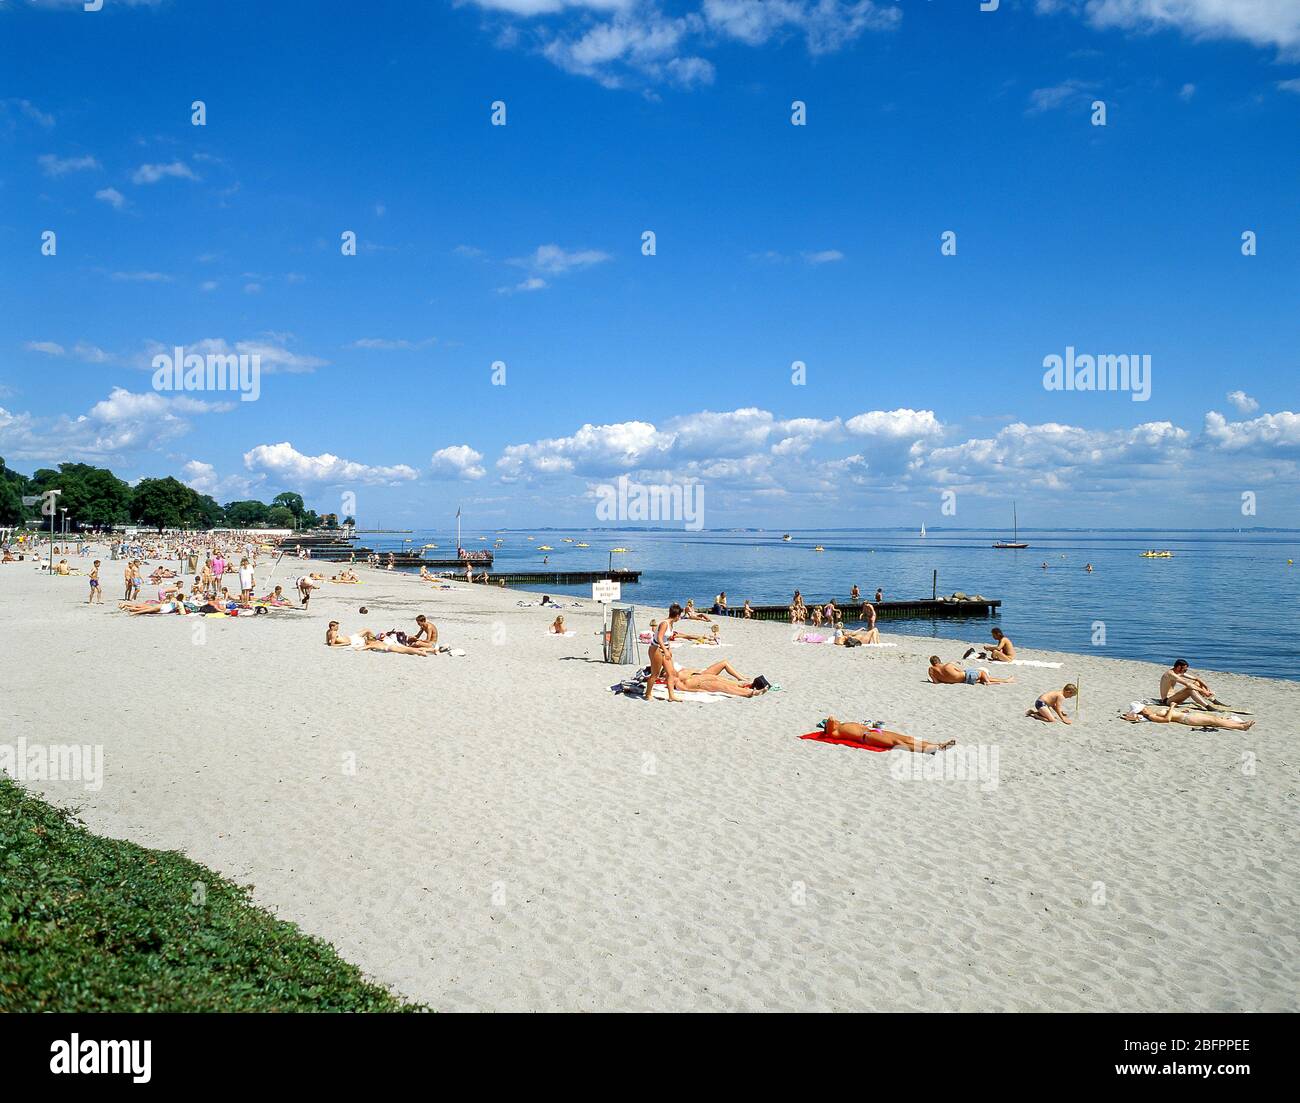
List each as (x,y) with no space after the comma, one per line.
(96,498)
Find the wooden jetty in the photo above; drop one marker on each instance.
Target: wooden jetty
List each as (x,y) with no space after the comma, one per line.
(547,578)
(885,610)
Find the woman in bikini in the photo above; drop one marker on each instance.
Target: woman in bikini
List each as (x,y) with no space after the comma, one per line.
(661,657)
(880,737)
(1167,714)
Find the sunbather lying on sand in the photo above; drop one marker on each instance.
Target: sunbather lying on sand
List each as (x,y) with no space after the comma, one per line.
(1167,714)
(557,626)
(1051,705)
(1002,651)
(880,737)
(142,608)
(692,613)
(953,674)
(711,640)
(366,640)
(712,680)
(862,635)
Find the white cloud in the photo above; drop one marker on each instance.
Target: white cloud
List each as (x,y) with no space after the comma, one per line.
(1186,92)
(151,174)
(556,261)
(1058,95)
(142,277)
(458,460)
(112,197)
(387,344)
(122,425)
(1243,402)
(286,463)
(61,166)
(635,43)
(1292,85)
(1274,23)
(272,349)
(823,256)
(1267,435)
(50,348)
(203,477)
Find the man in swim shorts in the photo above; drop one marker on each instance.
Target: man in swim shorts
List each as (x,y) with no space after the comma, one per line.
(952,674)
(1177,686)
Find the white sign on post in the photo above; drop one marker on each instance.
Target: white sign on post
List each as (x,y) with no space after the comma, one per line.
(605,591)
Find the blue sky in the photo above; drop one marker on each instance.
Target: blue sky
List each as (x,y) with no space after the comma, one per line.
(775,243)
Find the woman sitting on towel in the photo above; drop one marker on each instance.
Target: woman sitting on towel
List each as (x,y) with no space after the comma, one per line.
(366,640)
(879,737)
(557,626)
(692,613)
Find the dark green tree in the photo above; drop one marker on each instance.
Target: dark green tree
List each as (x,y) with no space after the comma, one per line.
(164,503)
(292,502)
(246,514)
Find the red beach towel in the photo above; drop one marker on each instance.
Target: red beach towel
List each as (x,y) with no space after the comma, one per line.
(822,737)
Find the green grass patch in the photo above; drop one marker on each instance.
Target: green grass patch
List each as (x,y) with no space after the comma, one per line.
(95,924)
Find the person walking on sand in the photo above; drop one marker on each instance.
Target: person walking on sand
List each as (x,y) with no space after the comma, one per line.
(96,591)
(128,576)
(1050,706)
(953,674)
(880,737)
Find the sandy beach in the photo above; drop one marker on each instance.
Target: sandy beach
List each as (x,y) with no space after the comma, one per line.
(499,831)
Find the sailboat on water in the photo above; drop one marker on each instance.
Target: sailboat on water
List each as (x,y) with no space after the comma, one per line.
(922,530)
(1015,541)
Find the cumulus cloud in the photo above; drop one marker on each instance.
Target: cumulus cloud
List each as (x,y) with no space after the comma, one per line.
(458,461)
(1242,402)
(119,426)
(286,464)
(1058,95)
(392,344)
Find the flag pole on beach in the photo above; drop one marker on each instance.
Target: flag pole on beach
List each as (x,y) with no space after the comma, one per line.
(459,545)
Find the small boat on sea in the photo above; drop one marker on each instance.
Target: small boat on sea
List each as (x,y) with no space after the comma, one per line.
(786,537)
(922,530)
(581,545)
(1015,541)
(819,548)
(1164,554)
(545,547)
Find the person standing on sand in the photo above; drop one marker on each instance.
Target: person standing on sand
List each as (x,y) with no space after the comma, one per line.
(218,569)
(1051,705)
(880,737)
(96,591)
(128,577)
(952,674)
(661,657)
(246,582)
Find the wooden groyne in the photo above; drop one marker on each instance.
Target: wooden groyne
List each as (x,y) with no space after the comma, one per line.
(886,610)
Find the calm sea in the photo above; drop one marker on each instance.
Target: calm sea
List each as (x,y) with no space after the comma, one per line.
(1226,601)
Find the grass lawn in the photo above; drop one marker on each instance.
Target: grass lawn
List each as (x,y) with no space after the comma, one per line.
(95,924)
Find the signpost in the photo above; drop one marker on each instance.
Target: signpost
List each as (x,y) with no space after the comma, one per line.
(606,592)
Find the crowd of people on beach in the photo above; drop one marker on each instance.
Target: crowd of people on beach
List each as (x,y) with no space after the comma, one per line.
(222,580)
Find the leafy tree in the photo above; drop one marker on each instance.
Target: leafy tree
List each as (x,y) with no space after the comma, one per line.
(246,514)
(280,517)
(349,520)
(310,520)
(330,521)
(12,488)
(210,515)
(291,501)
(163,503)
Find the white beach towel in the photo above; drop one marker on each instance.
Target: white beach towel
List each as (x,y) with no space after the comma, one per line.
(557,635)
(660,693)
(1031,662)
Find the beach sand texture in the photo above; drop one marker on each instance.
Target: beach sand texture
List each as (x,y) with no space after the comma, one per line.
(502,832)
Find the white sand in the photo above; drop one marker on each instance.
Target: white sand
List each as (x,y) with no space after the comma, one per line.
(515,836)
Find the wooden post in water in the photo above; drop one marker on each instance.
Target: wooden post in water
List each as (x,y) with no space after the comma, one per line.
(934,587)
